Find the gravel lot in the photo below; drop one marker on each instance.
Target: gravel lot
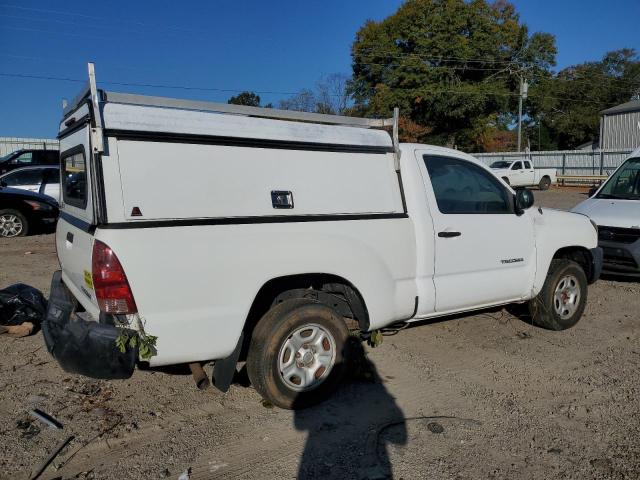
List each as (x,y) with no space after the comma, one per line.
(511,401)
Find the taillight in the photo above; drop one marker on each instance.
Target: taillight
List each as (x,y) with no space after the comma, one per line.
(110,282)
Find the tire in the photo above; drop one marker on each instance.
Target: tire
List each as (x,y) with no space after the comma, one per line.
(278,338)
(563,297)
(13,224)
(545,183)
(506,180)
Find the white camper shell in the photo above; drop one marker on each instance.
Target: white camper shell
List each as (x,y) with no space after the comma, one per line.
(236,233)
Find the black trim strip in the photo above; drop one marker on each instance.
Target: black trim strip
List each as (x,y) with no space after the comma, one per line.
(74,127)
(189,222)
(401,185)
(77,222)
(241,142)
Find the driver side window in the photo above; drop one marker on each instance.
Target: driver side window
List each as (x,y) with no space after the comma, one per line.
(462,187)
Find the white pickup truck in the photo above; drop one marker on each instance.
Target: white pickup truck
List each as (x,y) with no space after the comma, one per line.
(521,173)
(215,232)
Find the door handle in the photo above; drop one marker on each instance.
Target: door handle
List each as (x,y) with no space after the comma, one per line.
(449,234)
(69,237)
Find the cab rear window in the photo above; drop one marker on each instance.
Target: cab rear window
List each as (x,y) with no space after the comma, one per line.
(74,178)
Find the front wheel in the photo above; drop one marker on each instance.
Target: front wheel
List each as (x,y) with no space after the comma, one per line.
(297,353)
(12,223)
(563,297)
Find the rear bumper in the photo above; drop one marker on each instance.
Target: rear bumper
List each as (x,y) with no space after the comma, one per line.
(79,346)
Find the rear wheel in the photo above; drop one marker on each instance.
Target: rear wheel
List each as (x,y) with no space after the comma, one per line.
(545,183)
(297,353)
(563,297)
(12,223)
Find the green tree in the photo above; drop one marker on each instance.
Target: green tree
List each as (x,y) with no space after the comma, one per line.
(245,98)
(568,105)
(451,66)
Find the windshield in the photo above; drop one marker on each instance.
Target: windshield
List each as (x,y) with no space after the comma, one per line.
(501,164)
(625,183)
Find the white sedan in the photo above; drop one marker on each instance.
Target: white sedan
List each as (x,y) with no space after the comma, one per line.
(40,179)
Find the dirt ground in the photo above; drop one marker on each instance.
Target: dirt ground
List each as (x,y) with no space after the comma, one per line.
(478,396)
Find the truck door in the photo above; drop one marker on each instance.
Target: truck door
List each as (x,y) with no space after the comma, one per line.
(74,232)
(517,177)
(529,173)
(484,252)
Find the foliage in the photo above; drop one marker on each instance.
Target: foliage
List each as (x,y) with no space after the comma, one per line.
(304,101)
(245,98)
(568,105)
(450,65)
(130,339)
(410,132)
(332,95)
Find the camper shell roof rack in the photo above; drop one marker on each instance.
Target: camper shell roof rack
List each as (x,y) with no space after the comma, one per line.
(95,96)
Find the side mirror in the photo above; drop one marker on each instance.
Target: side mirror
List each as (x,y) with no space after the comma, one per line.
(592,191)
(524,200)
(3,183)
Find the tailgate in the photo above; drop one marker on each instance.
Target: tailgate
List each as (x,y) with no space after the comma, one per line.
(74,233)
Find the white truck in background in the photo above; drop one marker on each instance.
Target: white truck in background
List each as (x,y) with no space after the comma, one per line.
(291,227)
(521,173)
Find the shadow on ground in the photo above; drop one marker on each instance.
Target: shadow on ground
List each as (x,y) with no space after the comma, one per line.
(344,433)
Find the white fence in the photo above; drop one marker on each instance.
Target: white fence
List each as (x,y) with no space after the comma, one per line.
(11,144)
(566,162)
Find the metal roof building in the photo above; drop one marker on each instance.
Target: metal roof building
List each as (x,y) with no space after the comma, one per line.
(620,126)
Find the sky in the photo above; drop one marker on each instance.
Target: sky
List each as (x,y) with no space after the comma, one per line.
(274,47)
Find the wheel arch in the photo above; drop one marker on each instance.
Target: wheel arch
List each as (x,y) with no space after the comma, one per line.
(334,290)
(582,256)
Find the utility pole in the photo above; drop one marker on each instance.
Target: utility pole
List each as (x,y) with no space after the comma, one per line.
(524,88)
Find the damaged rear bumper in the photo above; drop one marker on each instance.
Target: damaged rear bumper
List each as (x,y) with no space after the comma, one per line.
(79,346)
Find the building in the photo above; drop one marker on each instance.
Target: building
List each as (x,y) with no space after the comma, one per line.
(620,126)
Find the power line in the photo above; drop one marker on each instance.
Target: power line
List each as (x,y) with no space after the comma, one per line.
(146,85)
(50,32)
(101,19)
(271,92)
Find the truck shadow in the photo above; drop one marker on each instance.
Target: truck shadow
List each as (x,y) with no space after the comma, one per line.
(344,438)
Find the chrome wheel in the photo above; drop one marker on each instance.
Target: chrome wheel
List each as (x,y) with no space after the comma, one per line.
(306,357)
(566,296)
(10,225)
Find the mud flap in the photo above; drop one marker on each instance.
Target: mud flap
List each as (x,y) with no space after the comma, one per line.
(596,266)
(223,370)
(86,348)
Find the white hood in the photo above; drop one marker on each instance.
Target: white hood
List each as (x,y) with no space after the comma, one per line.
(611,213)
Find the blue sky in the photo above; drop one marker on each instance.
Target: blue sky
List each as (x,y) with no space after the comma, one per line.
(270,46)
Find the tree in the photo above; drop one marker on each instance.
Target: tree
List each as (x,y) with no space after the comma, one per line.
(569,104)
(304,101)
(245,98)
(451,66)
(332,94)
